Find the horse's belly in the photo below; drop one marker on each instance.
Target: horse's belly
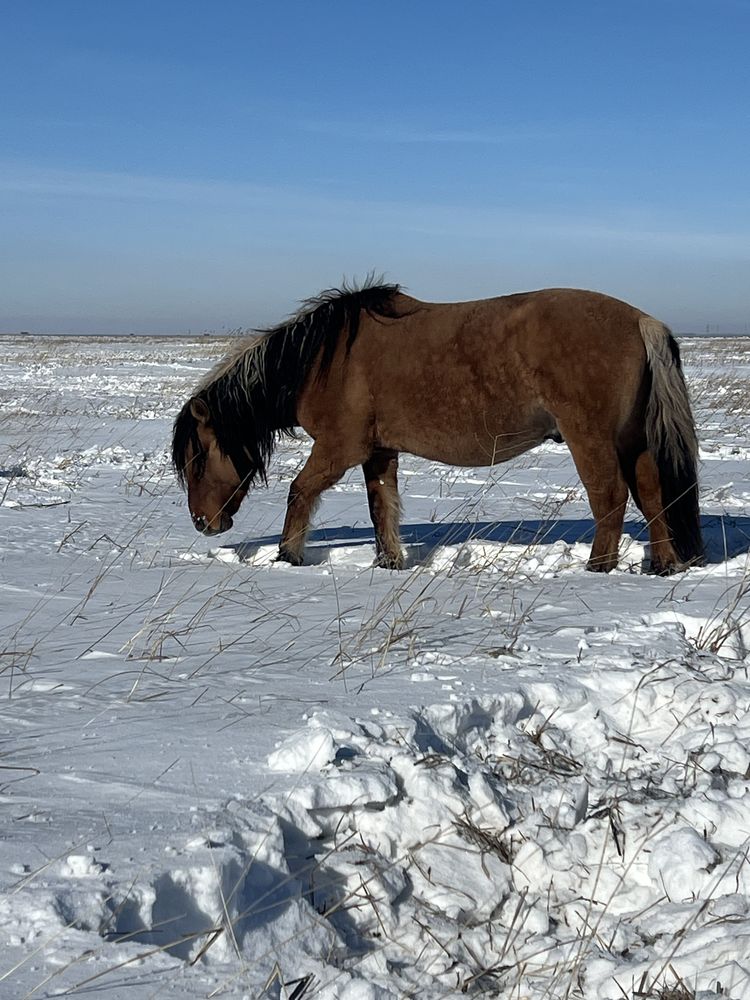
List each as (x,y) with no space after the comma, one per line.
(464,440)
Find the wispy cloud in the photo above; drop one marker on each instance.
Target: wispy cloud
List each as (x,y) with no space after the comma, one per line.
(39,181)
(404,134)
(572,129)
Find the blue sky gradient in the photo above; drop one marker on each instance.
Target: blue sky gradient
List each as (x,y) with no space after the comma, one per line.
(171,166)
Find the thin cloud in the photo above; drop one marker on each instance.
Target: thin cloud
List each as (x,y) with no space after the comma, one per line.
(612,225)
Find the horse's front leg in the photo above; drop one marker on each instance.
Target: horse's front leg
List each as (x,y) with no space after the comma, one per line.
(321,470)
(380,471)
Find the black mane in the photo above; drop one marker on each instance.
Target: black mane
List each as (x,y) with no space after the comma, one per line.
(252,394)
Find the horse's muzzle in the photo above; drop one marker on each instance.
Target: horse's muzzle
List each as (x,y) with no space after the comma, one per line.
(207,528)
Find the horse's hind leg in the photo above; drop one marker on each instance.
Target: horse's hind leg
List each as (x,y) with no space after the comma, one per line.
(599,468)
(321,470)
(380,471)
(642,475)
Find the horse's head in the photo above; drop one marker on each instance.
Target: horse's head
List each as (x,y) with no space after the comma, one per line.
(215,486)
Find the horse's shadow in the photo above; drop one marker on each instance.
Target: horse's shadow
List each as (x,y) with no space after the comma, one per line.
(725,537)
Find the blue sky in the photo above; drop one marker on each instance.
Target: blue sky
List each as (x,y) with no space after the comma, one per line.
(172,166)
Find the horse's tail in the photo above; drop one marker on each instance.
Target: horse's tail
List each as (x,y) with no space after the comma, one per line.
(671,439)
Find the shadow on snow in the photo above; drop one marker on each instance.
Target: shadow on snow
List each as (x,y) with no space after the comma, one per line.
(725,536)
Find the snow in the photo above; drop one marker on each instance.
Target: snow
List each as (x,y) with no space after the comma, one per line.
(492,773)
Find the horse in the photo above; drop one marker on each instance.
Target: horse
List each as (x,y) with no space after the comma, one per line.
(369,372)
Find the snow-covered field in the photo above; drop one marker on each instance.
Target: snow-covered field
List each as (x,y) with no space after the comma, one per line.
(492,774)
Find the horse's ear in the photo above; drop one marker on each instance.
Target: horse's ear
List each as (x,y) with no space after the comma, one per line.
(199,409)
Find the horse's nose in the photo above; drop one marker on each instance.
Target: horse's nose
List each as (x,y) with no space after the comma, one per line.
(203,525)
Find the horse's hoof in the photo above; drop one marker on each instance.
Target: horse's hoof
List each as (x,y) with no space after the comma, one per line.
(382,561)
(665,568)
(293,558)
(600,566)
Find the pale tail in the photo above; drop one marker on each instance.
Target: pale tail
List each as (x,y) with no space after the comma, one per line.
(670,433)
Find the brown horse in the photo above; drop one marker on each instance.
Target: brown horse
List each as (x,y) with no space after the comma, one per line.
(371,372)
